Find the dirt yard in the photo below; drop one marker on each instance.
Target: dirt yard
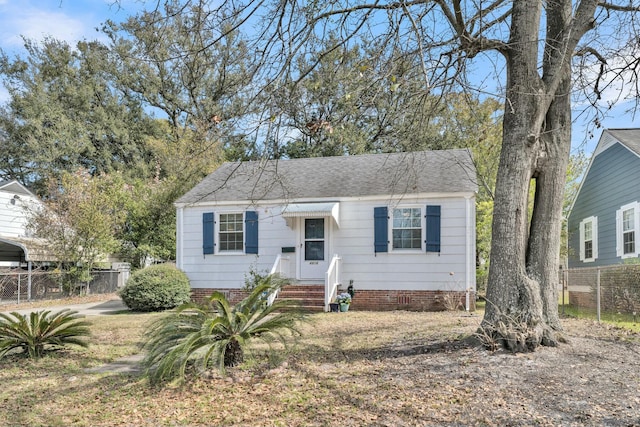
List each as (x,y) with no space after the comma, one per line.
(594,379)
(347,369)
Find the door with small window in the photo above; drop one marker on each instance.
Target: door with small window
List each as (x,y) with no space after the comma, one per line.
(314,248)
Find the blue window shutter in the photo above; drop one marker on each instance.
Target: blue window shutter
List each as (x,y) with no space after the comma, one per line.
(251,232)
(381,229)
(433,228)
(207,233)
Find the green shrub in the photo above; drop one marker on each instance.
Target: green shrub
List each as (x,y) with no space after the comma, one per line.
(156,288)
(39,331)
(202,336)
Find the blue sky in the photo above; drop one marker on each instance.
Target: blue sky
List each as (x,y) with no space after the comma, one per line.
(73,20)
(69,20)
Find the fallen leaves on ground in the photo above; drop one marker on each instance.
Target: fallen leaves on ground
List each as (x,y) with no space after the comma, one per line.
(363,368)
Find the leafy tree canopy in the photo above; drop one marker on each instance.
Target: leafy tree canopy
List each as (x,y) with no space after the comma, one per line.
(65,114)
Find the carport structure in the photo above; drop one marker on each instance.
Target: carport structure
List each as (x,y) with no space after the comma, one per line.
(24,250)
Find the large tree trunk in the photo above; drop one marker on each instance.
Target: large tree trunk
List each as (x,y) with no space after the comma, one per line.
(522,310)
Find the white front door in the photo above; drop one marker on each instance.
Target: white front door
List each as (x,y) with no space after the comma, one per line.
(314,259)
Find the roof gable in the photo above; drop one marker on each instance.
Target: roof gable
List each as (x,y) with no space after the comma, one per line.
(443,171)
(628,138)
(15,187)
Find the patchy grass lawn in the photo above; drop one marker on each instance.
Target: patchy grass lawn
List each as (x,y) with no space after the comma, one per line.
(356,368)
(618,319)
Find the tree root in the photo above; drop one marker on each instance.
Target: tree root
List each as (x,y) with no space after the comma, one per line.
(517,334)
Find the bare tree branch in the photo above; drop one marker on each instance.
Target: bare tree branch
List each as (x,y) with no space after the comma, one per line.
(618,8)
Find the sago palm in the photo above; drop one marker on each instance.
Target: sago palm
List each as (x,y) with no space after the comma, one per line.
(216,334)
(39,331)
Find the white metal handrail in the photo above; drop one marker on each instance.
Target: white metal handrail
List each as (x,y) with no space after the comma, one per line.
(332,280)
(277,269)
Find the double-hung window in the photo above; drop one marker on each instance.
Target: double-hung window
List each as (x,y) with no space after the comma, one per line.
(627,229)
(407,228)
(628,232)
(589,239)
(231,232)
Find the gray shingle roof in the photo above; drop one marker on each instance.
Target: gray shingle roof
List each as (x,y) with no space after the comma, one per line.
(629,137)
(15,187)
(443,171)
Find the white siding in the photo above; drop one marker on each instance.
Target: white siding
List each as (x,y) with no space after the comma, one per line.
(228,270)
(13,216)
(353,241)
(402,270)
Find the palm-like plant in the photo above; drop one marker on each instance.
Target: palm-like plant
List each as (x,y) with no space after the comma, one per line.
(39,331)
(216,334)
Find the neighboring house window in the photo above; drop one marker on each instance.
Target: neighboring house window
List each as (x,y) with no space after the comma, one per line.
(230,232)
(627,228)
(589,239)
(628,232)
(407,228)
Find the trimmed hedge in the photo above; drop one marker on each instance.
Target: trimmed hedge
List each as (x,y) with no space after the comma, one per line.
(156,288)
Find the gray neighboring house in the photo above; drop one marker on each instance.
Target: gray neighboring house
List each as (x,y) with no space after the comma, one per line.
(398,227)
(604,221)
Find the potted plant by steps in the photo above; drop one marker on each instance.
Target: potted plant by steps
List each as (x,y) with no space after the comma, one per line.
(344,299)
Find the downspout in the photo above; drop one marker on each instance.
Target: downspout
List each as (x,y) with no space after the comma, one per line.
(179,237)
(470,250)
(29,265)
(29,280)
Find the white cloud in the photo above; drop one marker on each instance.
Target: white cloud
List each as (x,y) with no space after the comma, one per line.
(37,20)
(40,24)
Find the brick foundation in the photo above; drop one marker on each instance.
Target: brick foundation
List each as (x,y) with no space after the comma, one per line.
(582,299)
(374,300)
(233,295)
(377,300)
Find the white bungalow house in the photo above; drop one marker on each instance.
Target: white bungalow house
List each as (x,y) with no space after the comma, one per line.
(400,228)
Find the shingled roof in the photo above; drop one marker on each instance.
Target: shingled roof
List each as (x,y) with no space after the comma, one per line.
(444,171)
(629,137)
(14,186)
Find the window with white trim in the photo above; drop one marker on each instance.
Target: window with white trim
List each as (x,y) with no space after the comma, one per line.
(407,228)
(589,239)
(627,229)
(628,232)
(231,232)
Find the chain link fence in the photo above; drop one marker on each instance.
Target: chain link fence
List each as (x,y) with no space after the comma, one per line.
(607,293)
(16,287)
